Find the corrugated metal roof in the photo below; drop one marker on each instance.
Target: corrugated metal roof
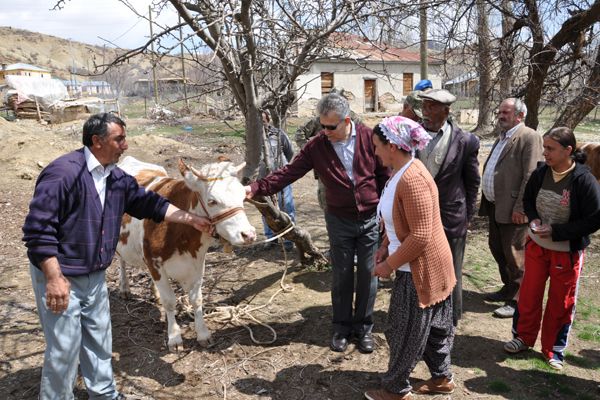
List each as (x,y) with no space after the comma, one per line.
(354,47)
(29,67)
(462,78)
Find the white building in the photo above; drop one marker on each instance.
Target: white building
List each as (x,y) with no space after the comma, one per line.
(374,78)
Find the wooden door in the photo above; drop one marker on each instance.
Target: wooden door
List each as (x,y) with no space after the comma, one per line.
(326,82)
(370,95)
(407,87)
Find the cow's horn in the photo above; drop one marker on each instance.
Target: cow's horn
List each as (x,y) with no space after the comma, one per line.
(239,167)
(197,173)
(182,166)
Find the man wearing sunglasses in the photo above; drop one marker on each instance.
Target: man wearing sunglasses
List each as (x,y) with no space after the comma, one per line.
(343,156)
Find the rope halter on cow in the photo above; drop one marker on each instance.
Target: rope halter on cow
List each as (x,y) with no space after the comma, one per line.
(222,216)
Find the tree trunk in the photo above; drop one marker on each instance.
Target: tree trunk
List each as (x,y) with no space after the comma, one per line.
(506,52)
(586,101)
(279,221)
(484,121)
(542,56)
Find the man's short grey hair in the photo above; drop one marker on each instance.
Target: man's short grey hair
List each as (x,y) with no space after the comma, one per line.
(336,103)
(520,107)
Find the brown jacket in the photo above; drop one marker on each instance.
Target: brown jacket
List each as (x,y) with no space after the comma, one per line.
(516,163)
(419,227)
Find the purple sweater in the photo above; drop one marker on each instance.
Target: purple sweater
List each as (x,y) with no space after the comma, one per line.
(344,199)
(66,219)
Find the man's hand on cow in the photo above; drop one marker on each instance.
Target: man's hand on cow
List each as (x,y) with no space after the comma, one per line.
(249,193)
(202,224)
(519,218)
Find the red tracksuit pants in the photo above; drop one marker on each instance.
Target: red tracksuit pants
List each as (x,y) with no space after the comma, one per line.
(563,269)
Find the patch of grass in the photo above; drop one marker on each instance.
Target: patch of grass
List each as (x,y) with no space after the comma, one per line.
(499,386)
(589,332)
(530,361)
(581,362)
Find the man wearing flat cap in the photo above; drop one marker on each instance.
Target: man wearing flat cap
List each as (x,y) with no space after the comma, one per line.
(451,158)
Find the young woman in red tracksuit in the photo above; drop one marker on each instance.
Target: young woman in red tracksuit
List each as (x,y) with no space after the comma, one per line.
(562,203)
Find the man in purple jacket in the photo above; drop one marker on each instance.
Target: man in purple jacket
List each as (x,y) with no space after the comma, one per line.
(342,155)
(71,233)
(451,158)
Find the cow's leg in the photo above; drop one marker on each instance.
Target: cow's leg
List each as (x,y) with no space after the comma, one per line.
(203,335)
(124,290)
(169,302)
(155,292)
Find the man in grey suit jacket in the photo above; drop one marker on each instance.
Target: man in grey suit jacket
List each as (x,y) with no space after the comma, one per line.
(451,158)
(506,171)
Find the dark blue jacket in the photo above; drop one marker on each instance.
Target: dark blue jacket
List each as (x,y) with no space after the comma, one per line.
(458,182)
(66,219)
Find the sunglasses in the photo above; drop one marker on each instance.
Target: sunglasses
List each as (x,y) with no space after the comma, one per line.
(331,127)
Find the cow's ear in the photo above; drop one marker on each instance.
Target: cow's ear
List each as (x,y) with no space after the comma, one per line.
(183,168)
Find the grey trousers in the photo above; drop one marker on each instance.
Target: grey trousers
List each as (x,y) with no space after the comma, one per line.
(80,336)
(457,247)
(413,333)
(352,305)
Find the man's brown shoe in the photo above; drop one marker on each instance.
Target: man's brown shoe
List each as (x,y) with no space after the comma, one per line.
(382,394)
(441,385)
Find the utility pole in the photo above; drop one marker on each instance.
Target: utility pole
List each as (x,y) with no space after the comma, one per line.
(153,58)
(73,78)
(187,103)
(423,29)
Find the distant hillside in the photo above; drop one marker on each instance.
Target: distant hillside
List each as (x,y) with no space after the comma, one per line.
(60,55)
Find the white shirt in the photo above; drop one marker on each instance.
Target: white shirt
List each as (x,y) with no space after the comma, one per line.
(487,181)
(345,151)
(99,173)
(385,210)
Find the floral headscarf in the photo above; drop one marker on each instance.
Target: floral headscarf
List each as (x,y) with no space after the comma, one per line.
(405,133)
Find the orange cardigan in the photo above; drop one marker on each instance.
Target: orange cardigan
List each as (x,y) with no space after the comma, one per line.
(419,227)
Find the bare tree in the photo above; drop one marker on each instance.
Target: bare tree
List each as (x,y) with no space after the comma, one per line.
(586,101)
(567,43)
(485,67)
(506,51)
(539,55)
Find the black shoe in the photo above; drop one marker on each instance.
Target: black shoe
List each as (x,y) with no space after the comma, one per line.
(366,343)
(339,342)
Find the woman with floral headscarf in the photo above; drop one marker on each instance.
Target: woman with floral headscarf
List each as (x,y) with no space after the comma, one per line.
(419,323)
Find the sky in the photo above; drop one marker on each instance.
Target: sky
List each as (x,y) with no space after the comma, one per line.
(84,21)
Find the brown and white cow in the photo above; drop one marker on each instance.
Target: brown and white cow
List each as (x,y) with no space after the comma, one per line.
(178,251)
(592,152)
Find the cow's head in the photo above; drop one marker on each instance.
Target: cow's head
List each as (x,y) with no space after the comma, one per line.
(221,196)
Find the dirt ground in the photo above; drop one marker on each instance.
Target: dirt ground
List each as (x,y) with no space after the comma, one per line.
(299,364)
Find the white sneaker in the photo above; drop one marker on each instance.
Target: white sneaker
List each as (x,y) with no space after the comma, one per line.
(506,311)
